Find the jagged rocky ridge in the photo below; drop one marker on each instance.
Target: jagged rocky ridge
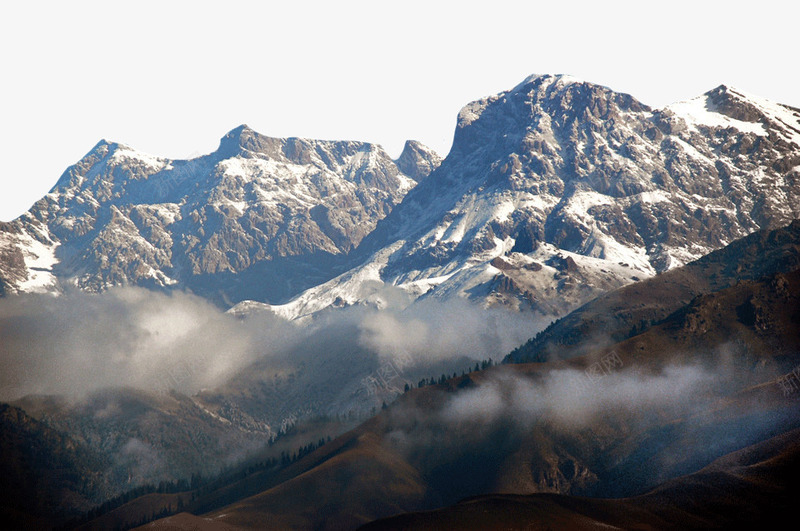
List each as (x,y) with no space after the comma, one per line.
(258,218)
(559,190)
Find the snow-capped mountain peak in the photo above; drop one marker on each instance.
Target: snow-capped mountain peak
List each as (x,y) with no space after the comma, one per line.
(559,168)
(258,206)
(545,81)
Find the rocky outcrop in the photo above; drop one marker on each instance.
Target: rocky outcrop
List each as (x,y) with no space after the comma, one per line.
(417,161)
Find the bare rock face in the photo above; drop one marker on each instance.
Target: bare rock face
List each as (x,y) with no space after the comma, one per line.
(260,217)
(417,161)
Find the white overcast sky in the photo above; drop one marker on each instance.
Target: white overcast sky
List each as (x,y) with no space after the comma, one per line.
(171,78)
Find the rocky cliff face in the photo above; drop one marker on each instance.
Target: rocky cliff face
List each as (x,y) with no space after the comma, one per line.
(259,218)
(558,190)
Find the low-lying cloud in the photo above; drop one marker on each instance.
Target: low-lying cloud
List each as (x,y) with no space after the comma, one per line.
(567,398)
(125,337)
(626,429)
(132,337)
(431,331)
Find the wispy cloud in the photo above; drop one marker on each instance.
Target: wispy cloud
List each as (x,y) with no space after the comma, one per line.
(133,337)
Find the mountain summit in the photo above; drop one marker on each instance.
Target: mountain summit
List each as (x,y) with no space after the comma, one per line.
(559,189)
(257,208)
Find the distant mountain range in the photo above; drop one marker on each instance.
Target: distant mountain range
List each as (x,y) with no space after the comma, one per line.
(663,244)
(554,192)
